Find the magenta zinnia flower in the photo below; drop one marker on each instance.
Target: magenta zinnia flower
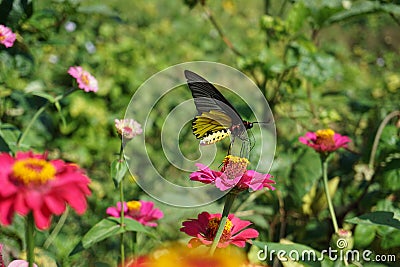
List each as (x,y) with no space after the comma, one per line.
(325,141)
(31,183)
(205,227)
(7,37)
(233,175)
(85,80)
(128,128)
(141,211)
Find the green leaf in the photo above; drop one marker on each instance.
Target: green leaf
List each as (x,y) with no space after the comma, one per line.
(358,9)
(377,218)
(12,12)
(44,95)
(132,225)
(106,228)
(97,9)
(318,67)
(27,6)
(364,235)
(78,248)
(118,171)
(391,180)
(392,162)
(100,231)
(306,171)
(9,135)
(297,16)
(391,240)
(391,9)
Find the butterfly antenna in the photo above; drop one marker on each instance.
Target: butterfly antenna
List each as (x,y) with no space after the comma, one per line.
(262,122)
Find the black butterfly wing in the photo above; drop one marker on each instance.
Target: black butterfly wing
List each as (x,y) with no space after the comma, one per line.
(207,97)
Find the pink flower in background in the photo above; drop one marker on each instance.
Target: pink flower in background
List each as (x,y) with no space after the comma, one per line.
(128,128)
(324,141)
(205,227)
(233,175)
(7,37)
(141,211)
(20,263)
(85,80)
(31,183)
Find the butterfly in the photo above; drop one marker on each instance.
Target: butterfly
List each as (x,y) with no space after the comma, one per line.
(216,118)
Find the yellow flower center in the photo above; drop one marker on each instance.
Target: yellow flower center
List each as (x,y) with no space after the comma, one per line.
(234,166)
(212,229)
(85,78)
(133,205)
(31,170)
(2,37)
(325,137)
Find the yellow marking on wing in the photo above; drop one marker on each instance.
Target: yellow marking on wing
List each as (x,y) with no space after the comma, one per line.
(215,137)
(210,122)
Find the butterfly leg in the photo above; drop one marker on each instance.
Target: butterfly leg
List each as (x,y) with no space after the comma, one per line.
(245,149)
(230,148)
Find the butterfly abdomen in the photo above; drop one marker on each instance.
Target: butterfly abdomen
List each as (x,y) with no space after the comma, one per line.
(214,137)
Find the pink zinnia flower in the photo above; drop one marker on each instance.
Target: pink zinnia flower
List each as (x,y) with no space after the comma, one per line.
(325,141)
(141,211)
(31,183)
(7,37)
(20,263)
(128,128)
(233,175)
(205,227)
(85,80)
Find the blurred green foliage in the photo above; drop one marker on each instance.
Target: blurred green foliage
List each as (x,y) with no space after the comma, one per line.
(319,63)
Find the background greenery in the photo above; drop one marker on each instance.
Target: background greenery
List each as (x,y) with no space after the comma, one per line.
(319,63)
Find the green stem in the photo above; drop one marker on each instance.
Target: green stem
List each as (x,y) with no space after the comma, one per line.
(38,113)
(378,136)
(25,132)
(122,217)
(134,241)
(57,229)
(227,207)
(324,161)
(30,242)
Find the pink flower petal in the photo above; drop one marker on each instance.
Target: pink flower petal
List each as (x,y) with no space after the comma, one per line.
(7,37)
(85,80)
(68,186)
(199,229)
(6,211)
(20,263)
